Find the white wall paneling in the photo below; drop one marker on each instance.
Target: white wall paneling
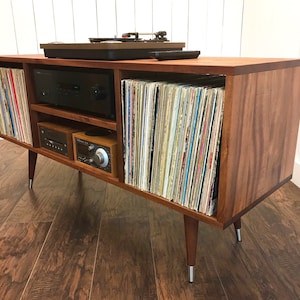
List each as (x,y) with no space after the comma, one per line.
(271,28)
(232,27)
(7,29)
(63,21)
(215,20)
(25,27)
(44,21)
(180,17)
(212,26)
(125,16)
(85,20)
(106,15)
(162,16)
(197,26)
(144,16)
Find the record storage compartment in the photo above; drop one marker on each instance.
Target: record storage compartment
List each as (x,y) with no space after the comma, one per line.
(259,129)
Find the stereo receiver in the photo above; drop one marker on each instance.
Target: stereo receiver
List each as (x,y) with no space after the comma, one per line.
(87,90)
(98,151)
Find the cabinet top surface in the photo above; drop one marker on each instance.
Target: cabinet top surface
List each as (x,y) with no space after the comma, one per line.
(214,65)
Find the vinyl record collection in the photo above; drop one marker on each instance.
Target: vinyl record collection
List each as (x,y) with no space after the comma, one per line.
(14,112)
(171,136)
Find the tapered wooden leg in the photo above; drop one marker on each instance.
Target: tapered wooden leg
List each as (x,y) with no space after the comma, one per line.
(32,156)
(191,236)
(237,226)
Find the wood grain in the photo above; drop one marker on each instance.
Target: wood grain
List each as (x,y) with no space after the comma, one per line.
(12,173)
(20,245)
(66,264)
(80,238)
(168,243)
(124,267)
(80,255)
(261,120)
(202,65)
(223,254)
(279,245)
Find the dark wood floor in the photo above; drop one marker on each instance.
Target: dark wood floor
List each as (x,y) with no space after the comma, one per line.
(75,237)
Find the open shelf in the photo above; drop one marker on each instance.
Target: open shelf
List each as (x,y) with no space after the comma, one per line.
(75,116)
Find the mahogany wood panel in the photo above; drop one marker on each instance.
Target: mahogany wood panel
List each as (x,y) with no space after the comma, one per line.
(202,65)
(34,118)
(259,135)
(117,86)
(32,157)
(191,236)
(79,117)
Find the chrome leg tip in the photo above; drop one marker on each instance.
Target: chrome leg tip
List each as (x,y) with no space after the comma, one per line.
(30,183)
(238,235)
(191,273)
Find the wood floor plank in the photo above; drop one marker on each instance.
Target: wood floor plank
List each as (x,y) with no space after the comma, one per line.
(140,252)
(286,204)
(36,205)
(124,267)
(12,175)
(224,255)
(66,265)
(51,174)
(20,245)
(276,251)
(41,203)
(167,235)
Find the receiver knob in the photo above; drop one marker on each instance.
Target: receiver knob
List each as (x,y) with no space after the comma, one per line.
(91,147)
(101,158)
(98,92)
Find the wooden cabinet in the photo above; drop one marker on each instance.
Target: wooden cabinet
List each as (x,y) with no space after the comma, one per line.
(259,131)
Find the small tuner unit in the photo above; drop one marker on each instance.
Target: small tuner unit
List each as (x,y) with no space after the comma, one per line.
(57,138)
(98,151)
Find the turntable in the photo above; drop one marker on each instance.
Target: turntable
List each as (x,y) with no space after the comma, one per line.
(129,46)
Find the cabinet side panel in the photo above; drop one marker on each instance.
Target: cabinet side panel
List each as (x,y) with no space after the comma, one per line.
(261,120)
(117,86)
(31,99)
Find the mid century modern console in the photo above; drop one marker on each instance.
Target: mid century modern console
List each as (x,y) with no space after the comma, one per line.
(259,130)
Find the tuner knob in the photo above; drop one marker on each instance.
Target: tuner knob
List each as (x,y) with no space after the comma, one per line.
(101,158)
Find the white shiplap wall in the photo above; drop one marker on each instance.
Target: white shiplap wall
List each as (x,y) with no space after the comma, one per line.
(212,26)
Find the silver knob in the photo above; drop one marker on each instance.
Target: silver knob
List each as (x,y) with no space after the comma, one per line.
(91,147)
(101,158)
